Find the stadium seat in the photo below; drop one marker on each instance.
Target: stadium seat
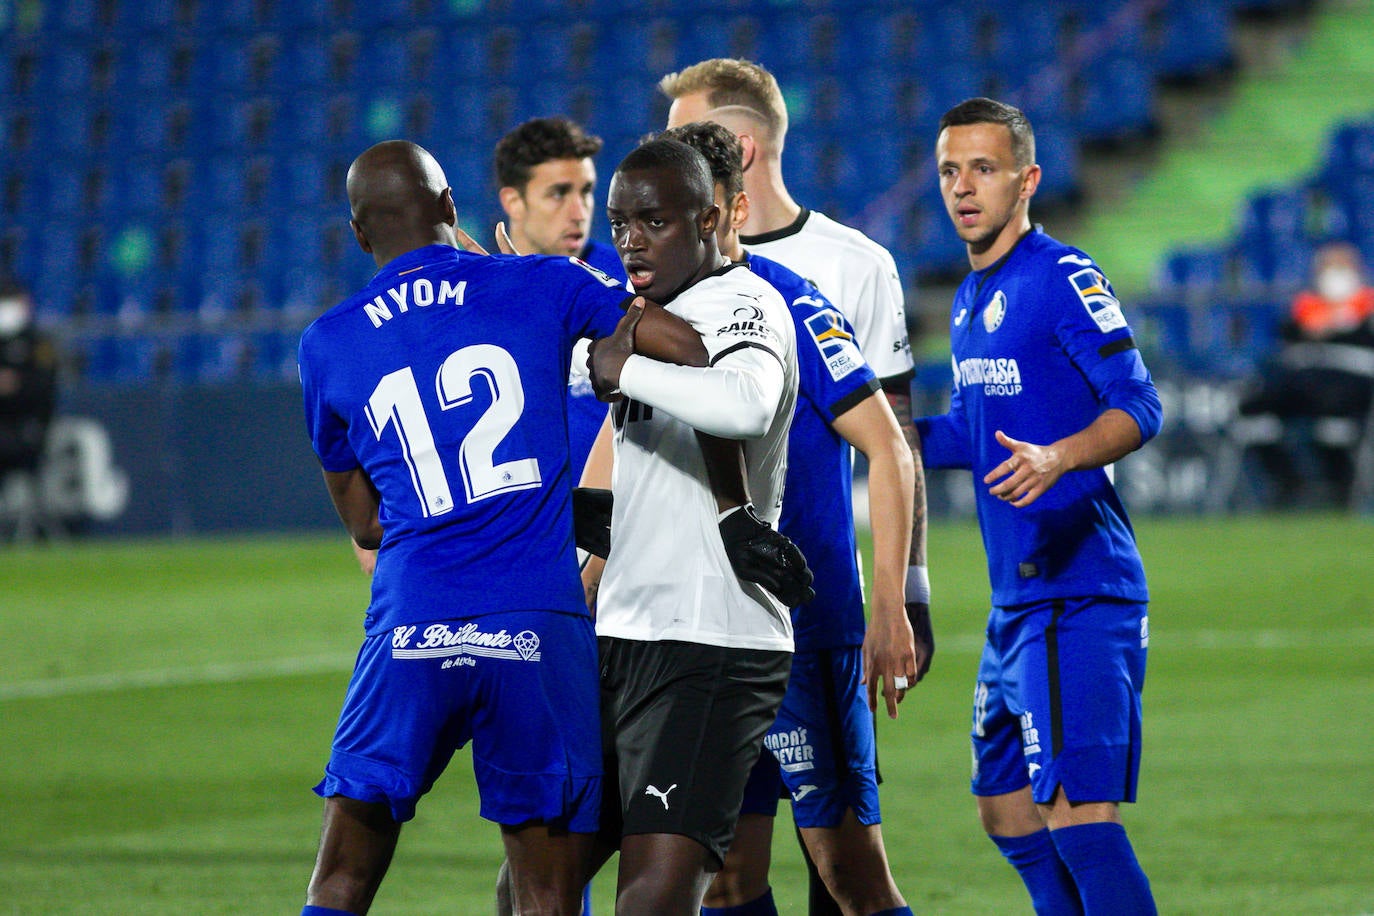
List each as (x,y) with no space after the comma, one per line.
(1190,38)
(1195,273)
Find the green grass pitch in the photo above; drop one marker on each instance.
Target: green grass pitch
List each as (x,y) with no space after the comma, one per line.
(165,708)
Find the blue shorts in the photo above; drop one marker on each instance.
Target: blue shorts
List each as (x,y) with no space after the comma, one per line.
(521,686)
(1058,700)
(822,746)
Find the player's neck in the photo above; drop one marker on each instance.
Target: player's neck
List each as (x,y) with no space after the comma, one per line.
(1005,241)
(770,206)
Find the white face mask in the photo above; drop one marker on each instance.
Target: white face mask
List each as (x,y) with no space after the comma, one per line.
(1337,284)
(14,317)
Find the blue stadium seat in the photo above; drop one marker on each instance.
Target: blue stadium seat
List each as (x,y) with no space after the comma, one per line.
(1191,38)
(1117,101)
(1056,148)
(1195,273)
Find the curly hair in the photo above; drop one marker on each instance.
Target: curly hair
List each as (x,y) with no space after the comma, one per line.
(721,149)
(538,141)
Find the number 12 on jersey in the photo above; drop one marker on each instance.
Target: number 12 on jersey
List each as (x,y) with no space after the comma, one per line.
(396,400)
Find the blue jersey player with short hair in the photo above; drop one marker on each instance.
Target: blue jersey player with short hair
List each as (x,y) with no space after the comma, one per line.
(435,399)
(1049,389)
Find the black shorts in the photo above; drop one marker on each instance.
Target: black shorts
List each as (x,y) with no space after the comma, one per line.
(682,724)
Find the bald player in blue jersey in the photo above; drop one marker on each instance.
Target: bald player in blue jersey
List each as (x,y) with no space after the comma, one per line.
(1049,389)
(822,745)
(435,399)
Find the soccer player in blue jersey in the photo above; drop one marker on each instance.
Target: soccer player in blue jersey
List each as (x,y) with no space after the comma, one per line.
(547,180)
(435,400)
(1049,389)
(822,743)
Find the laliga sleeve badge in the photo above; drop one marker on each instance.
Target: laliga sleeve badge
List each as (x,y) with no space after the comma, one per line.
(995,312)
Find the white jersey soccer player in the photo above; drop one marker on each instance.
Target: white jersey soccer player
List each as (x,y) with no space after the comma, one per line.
(670,578)
(856,274)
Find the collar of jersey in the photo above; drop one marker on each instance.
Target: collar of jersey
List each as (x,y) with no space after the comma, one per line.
(417,258)
(792,229)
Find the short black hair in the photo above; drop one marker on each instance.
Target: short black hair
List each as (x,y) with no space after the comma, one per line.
(990,111)
(537,141)
(676,156)
(720,147)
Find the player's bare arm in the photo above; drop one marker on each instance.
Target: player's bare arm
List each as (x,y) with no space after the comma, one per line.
(1032,469)
(356,500)
(918,597)
(890,652)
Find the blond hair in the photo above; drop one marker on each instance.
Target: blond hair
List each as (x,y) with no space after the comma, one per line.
(733,82)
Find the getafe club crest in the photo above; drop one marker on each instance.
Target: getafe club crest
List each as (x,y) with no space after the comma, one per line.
(995,312)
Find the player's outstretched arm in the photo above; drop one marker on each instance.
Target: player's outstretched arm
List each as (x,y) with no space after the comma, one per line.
(890,651)
(1030,470)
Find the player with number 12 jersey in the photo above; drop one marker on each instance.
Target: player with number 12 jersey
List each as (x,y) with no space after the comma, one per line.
(442,347)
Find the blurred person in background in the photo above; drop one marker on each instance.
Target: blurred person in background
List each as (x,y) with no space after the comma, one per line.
(28,397)
(1324,372)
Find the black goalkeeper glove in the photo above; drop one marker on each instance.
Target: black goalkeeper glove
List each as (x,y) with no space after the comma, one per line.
(592,520)
(760,554)
(918,613)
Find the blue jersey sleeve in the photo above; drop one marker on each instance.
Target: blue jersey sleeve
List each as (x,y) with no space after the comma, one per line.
(945,438)
(1093,331)
(328,431)
(593,300)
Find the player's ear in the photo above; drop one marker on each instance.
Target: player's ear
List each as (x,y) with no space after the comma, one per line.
(363,243)
(448,212)
(706,224)
(513,202)
(1030,181)
(749,148)
(739,213)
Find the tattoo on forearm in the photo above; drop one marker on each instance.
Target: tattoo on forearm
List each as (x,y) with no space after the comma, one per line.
(901,406)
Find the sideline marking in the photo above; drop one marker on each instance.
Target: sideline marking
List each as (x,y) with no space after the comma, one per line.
(226,673)
(220,673)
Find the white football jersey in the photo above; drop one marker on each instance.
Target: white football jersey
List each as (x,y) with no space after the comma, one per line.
(667,576)
(856,274)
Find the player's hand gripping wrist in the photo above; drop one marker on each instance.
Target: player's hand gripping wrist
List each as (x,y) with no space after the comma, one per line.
(607,355)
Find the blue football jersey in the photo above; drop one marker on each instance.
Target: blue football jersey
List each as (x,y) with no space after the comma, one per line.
(1040,349)
(585,412)
(446,380)
(817,503)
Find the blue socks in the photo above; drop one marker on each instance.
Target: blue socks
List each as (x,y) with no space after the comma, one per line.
(323,911)
(1105,869)
(895,911)
(1052,889)
(759,906)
